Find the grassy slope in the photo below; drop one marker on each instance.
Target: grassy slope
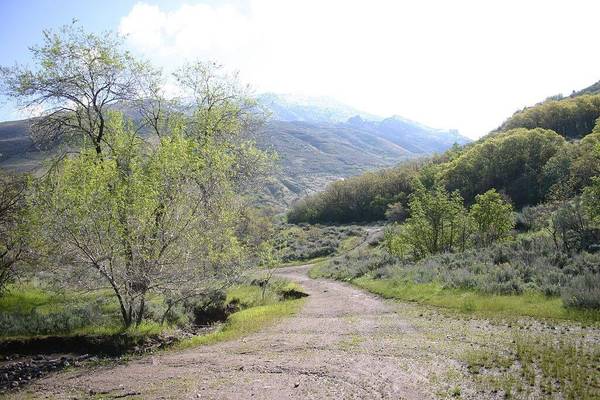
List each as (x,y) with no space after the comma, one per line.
(246,322)
(530,304)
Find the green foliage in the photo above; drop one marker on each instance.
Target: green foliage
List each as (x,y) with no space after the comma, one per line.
(493,217)
(591,200)
(572,227)
(128,214)
(530,263)
(511,162)
(437,222)
(572,117)
(583,291)
(14,234)
(30,311)
(526,165)
(308,242)
(246,322)
(78,77)
(362,198)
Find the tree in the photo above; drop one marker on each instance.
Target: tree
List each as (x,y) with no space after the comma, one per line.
(141,219)
(13,235)
(128,213)
(510,161)
(438,222)
(591,199)
(79,77)
(591,194)
(572,117)
(493,217)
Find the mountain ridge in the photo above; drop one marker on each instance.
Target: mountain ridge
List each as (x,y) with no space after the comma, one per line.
(318,141)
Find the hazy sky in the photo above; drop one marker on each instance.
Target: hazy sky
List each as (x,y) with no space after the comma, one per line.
(448,64)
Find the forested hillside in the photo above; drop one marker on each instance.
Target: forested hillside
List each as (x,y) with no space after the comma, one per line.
(507,227)
(543,153)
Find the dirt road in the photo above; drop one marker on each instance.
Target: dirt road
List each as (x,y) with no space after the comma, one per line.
(344,343)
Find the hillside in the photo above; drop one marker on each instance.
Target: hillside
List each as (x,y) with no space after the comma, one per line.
(544,152)
(312,154)
(315,145)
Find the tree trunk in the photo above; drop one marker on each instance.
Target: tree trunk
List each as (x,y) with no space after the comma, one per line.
(140,314)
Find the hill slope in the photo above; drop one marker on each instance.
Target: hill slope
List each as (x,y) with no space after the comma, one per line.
(314,139)
(313,154)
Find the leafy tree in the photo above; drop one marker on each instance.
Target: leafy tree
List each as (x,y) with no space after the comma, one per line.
(396,212)
(572,117)
(139,216)
(591,194)
(493,217)
(572,228)
(361,198)
(591,199)
(438,222)
(142,219)
(79,77)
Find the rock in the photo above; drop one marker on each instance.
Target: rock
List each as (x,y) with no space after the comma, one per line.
(296,384)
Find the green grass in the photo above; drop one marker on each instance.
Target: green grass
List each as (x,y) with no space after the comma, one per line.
(246,322)
(25,299)
(296,263)
(247,296)
(349,243)
(28,311)
(315,271)
(535,366)
(530,304)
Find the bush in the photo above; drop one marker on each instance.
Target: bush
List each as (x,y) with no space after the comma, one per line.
(210,308)
(68,320)
(513,267)
(305,242)
(583,291)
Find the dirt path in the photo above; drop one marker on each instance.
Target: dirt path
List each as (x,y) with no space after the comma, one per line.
(344,343)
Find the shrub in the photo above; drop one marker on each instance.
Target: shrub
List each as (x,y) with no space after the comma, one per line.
(583,291)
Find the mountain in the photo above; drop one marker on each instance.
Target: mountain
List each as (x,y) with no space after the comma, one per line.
(312,154)
(288,107)
(318,140)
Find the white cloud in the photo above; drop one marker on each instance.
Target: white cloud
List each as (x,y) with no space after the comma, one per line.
(459,64)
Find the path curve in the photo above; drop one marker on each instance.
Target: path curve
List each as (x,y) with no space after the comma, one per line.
(344,343)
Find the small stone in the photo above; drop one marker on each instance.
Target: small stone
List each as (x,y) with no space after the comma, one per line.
(296,384)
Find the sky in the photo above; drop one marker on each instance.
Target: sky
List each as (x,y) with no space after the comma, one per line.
(462,64)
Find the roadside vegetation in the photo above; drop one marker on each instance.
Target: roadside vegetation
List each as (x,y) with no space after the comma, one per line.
(504,231)
(549,269)
(300,243)
(29,312)
(142,221)
(507,225)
